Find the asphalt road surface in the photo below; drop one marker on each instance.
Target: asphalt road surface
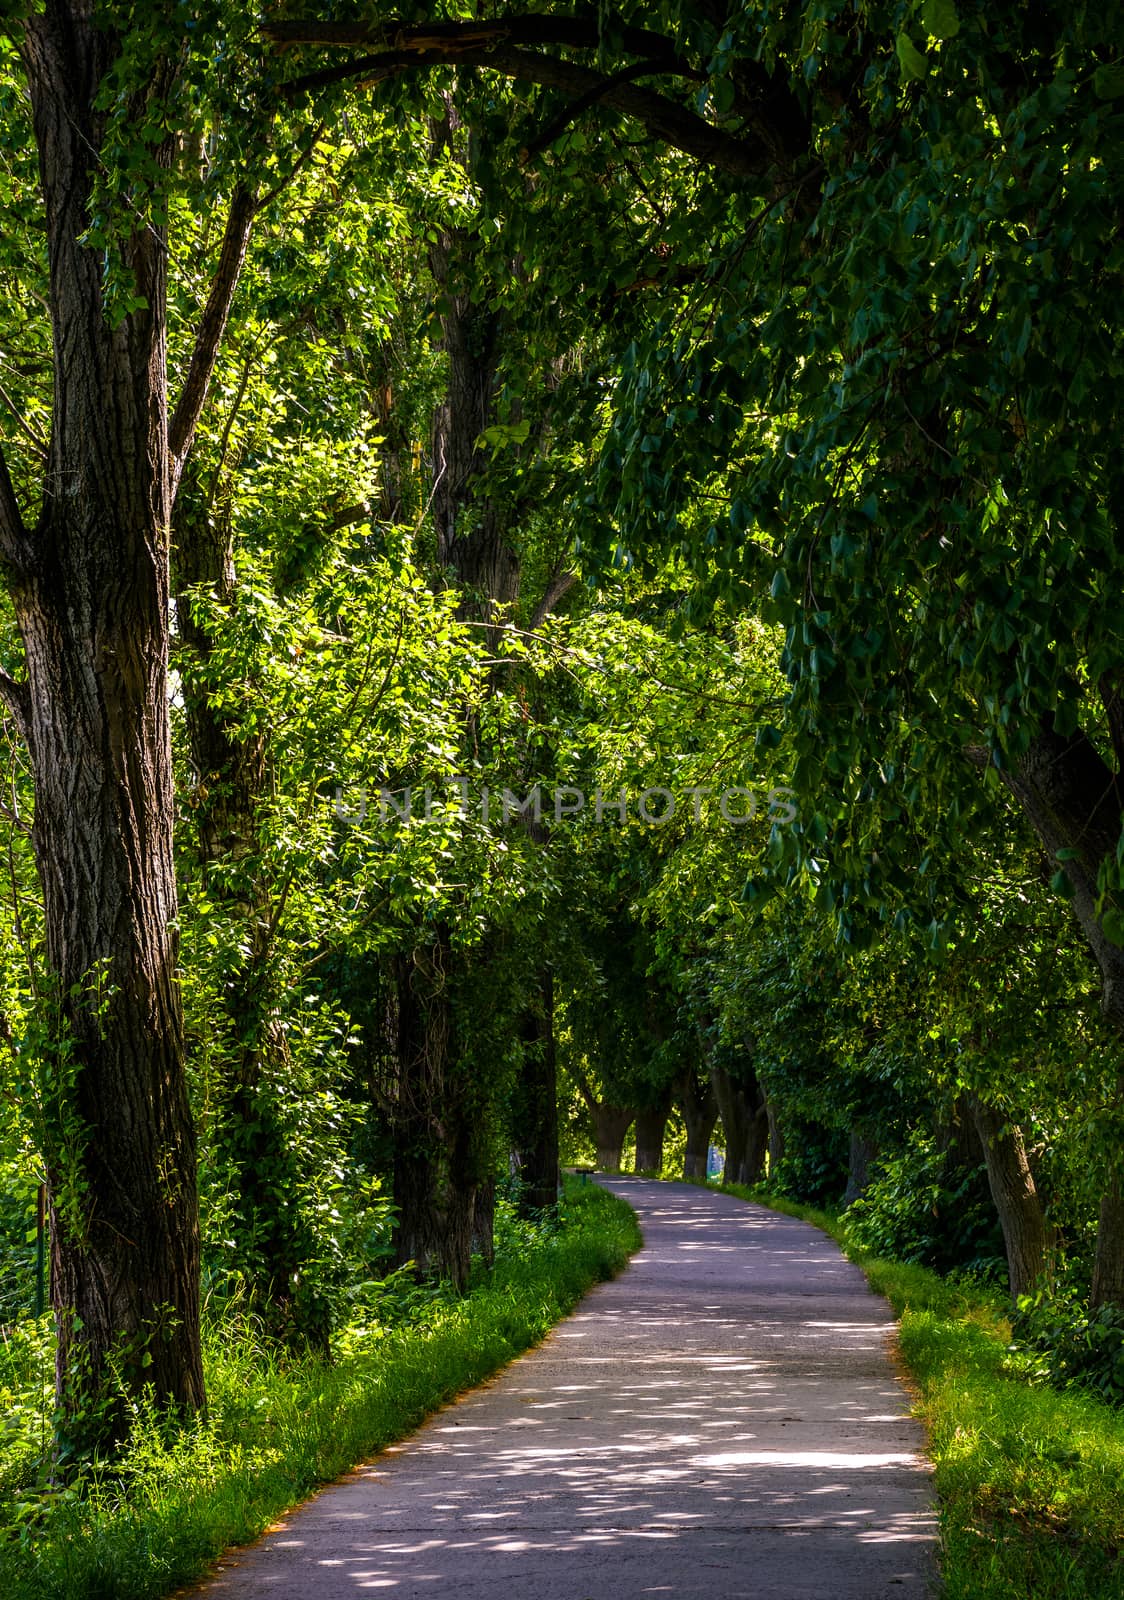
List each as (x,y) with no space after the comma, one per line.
(722,1420)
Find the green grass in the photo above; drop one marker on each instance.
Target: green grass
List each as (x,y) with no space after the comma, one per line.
(275,1433)
(1030,1480)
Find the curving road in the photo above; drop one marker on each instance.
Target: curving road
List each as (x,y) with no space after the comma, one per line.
(723,1420)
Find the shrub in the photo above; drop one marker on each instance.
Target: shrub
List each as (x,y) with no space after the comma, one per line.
(1069,1346)
(921,1207)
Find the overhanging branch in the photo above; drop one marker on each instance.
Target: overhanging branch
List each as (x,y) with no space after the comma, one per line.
(664,119)
(571,113)
(15,545)
(442,39)
(212,326)
(498,47)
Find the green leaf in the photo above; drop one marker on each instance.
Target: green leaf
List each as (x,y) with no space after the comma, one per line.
(910,58)
(1108,81)
(939,19)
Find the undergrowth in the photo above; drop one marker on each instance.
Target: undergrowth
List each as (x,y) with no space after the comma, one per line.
(1029,1480)
(276,1430)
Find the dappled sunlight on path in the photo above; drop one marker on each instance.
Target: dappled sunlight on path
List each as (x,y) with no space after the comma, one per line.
(721,1421)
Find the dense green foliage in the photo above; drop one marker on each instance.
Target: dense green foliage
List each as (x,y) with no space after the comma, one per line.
(633,558)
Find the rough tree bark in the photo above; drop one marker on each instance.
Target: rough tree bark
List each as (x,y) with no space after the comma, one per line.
(745,1123)
(475,550)
(91,596)
(1026,1233)
(863,1152)
(651,1126)
(1075,803)
(1108,1263)
(537,1104)
(699,1109)
(610,1125)
(436,1208)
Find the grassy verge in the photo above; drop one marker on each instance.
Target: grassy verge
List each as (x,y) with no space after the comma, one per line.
(1030,1481)
(275,1434)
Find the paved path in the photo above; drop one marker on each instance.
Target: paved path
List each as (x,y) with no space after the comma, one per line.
(722,1421)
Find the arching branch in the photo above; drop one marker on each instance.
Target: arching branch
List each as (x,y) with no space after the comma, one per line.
(576,108)
(498,48)
(578,32)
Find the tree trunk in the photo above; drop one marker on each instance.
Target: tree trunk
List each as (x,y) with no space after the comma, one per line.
(651,1126)
(472,527)
(735,1122)
(484,1221)
(272,1236)
(757,1144)
(775,1148)
(536,1129)
(91,595)
(1108,1264)
(864,1151)
(745,1124)
(699,1109)
(440,1138)
(434,1189)
(1075,803)
(1025,1230)
(610,1124)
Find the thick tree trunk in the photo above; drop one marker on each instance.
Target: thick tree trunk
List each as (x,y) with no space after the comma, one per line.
(699,1109)
(610,1124)
(91,596)
(651,1126)
(745,1124)
(484,1221)
(441,1139)
(272,1237)
(775,1143)
(863,1153)
(1026,1233)
(472,528)
(1075,803)
(757,1145)
(434,1181)
(536,1129)
(735,1122)
(1108,1263)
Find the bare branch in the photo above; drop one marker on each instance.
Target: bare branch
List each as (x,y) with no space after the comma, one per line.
(212,326)
(15,544)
